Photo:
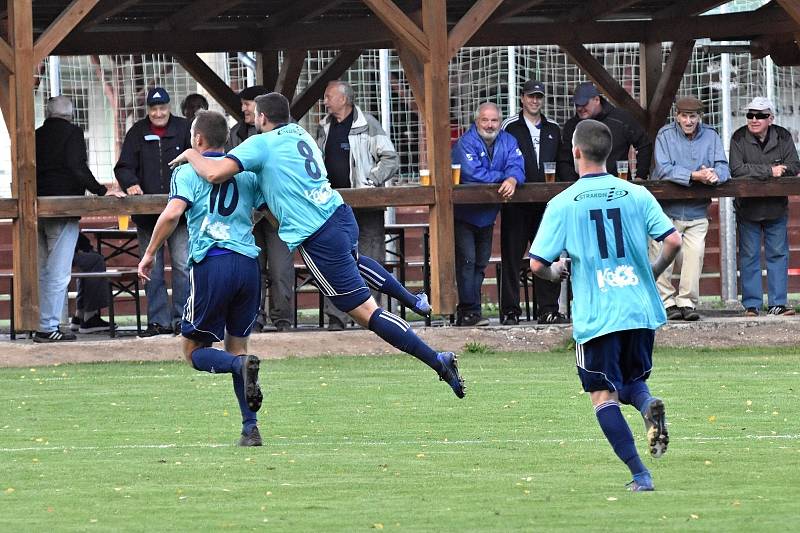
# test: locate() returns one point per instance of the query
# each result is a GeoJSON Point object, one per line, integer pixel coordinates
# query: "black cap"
{"type": "Point", "coordinates": [533, 87]}
{"type": "Point", "coordinates": [584, 92]}
{"type": "Point", "coordinates": [157, 96]}
{"type": "Point", "coordinates": [250, 93]}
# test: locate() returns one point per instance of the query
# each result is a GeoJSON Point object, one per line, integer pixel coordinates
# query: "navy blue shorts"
{"type": "Point", "coordinates": [614, 360]}
{"type": "Point", "coordinates": [225, 295]}
{"type": "Point", "coordinates": [331, 255]}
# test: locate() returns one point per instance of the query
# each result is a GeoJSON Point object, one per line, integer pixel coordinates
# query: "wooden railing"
{"type": "Point", "coordinates": [55, 206]}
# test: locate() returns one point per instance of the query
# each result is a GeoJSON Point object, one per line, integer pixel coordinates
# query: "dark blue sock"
{"type": "Point", "coordinates": [636, 394]}
{"type": "Point", "coordinates": [382, 281]}
{"type": "Point", "coordinates": [249, 419]}
{"type": "Point", "coordinates": [216, 361]}
{"type": "Point", "coordinates": [619, 435]}
{"type": "Point", "coordinates": [399, 334]}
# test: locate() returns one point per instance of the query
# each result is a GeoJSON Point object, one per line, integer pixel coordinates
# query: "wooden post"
{"type": "Point", "coordinates": [649, 71]}
{"type": "Point", "coordinates": [267, 68]}
{"type": "Point", "coordinates": [23, 182]}
{"type": "Point", "coordinates": [437, 122]}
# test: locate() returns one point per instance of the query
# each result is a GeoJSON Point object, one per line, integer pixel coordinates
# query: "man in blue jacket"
{"type": "Point", "coordinates": [487, 154]}
{"type": "Point", "coordinates": [143, 168]}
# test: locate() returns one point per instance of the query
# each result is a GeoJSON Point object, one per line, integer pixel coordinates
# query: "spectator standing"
{"type": "Point", "coordinates": [539, 141]}
{"type": "Point", "coordinates": [275, 259]}
{"type": "Point", "coordinates": [358, 154]}
{"type": "Point", "coordinates": [487, 154]}
{"type": "Point", "coordinates": [764, 151]}
{"type": "Point", "coordinates": [687, 153]}
{"type": "Point", "coordinates": [143, 168]}
{"type": "Point", "coordinates": [192, 104]}
{"type": "Point", "coordinates": [614, 315]}
{"type": "Point", "coordinates": [61, 170]}
{"type": "Point", "coordinates": [625, 132]}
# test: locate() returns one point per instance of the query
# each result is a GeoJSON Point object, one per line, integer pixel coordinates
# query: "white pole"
{"type": "Point", "coordinates": [389, 216]}
{"type": "Point", "coordinates": [727, 218]}
{"type": "Point", "coordinates": [54, 73]}
{"type": "Point", "coordinates": [769, 68]}
{"type": "Point", "coordinates": [512, 81]}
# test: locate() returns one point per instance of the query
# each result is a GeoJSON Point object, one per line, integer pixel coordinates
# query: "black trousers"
{"type": "Point", "coordinates": [518, 226]}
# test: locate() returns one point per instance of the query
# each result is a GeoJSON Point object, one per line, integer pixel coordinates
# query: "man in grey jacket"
{"type": "Point", "coordinates": [764, 151]}
{"type": "Point", "coordinates": [358, 153]}
{"type": "Point", "coordinates": [688, 153]}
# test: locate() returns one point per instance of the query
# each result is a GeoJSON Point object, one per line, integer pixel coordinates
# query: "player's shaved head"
{"type": "Point", "coordinates": [275, 107]}
{"type": "Point", "coordinates": [593, 138]}
{"type": "Point", "coordinates": [212, 126]}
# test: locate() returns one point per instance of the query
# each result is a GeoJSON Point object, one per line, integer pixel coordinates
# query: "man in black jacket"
{"type": "Point", "coordinates": [143, 168]}
{"type": "Point", "coordinates": [539, 140]}
{"type": "Point", "coordinates": [625, 132]}
{"type": "Point", "coordinates": [61, 170]}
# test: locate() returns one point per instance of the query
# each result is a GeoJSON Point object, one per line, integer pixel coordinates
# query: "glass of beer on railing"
{"type": "Point", "coordinates": [550, 172]}
{"type": "Point", "coordinates": [622, 170]}
{"type": "Point", "coordinates": [424, 177]}
{"type": "Point", "coordinates": [123, 221]}
{"type": "Point", "coordinates": [455, 170]}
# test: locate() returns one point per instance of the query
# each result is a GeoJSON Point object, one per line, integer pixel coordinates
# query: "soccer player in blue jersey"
{"type": "Point", "coordinates": [604, 224]}
{"type": "Point", "coordinates": [314, 219]}
{"type": "Point", "coordinates": [224, 273]}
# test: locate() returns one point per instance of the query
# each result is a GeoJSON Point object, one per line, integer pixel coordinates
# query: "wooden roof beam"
{"type": "Point", "coordinates": [300, 11]}
{"type": "Point", "coordinates": [595, 9]}
{"type": "Point", "coordinates": [514, 7]}
{"type": "Point", "coordinates": [6, 55]}
{"type": "Point", "coordinates": [106, 9]}
{"type": "Point", "coordinates": [605, 81]}
{"type": "Point", "coordinates": [216, 87]}
{"type": "Point", "coordinates": [406, 31]}
{"type": "Point", "coordinates": [471, 22]}
{"type": "Point", "coordinates": [195, 14]}
{"type": "Point", "coordinates": [415, 73]}
{"type": "Point", "coordinates": [290, 71]}
{"type": "Point", "coordinates": [683, 8]}
{"type": "Point", "coordinates": [74, 13]}
{"type": "Point", "coordinates": [668, 84]}
{"type": "Point", "coordinates": [316, 89]}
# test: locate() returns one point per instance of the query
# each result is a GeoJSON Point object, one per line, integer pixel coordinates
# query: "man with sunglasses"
{"type": "Point", "coordinates": [764, 151]}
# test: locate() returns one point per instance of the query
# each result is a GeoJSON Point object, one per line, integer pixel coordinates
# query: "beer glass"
{"type": "Point", "coordinates": [622, 170]}
{"type": "Point", "coordinates": [550, 172]}
{"type": "Point", "coordinates": [455, 170]}
{"type": "Point", "coordinates": [424, 177]}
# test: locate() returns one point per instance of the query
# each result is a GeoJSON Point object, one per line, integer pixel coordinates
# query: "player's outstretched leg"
{"type": "Point", "coordinates": [399, 334]}
{"type": "Point", "coordinates": [244, 370]}
{"type": "Point", "coordinates": [382, 281]}
{"type": "Point", "coordinates": [620, 437]}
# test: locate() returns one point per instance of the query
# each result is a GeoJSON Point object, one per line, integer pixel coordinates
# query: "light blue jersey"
{"type": "Point", "coordinates": [218, 215]}
{"type": "Point", "coordinates": [293, 179]}
{"type": "Point", "coordinates": [604, 224]}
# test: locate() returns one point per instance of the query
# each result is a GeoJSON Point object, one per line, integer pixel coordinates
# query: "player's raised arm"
{"type": "Point", "coordinates": [671, 247]}
{"type": "Point", "coordinates": [166, 224]}
{"type": "Point", "coordinates": [212, 170]}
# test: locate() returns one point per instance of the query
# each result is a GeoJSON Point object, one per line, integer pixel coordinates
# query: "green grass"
{"type": "Point", "coordinates": [362, 443]}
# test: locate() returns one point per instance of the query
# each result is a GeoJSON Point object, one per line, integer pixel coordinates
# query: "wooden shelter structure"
{"type": "Point", "coordinates": [425, 33]}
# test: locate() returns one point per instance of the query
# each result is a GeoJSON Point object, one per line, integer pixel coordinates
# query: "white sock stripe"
{"type": "Point", "coordinates": [396, 319]}
{"type": "Point", "coordinates": [371, 281]}
{"type": "Point", "coordinates": [605, 404]}
{"type": "Point", "coordinates": [372, 272]}
{"type": "Point", "coordinates": [323, 283]}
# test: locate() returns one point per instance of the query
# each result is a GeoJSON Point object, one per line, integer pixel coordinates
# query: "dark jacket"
{"type": "Point", "coordinates": [549, 145]}
{"type": "Point", "coordinates": [625, 132]}
{"type": "Point", "coordinates": [239, 133]}
{"type": "Point", "coordinates": [477, 166]}
{"type": "Point", "coordinates": [144, 159]}
{"type": "Point", "coordinates": [61, 168]}
{"type": "Point", "coordinates": [747, 158]}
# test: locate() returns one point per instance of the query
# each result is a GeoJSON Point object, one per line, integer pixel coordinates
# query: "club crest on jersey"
{"type": "Point", "coordinates": [608, 194]}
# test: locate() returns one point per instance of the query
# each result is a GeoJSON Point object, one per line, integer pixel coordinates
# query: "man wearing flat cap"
{"type": "Point", "coordinates": [625, 133]}
{"type": "Point", "coordinates": [762, 150]}
{"type": "Point", "coordinates": [143, 168]}
{"type": "Point", "coordinates": [690, 154]}
{"type": "Point", "coordinates": [539, 141]}
{"type": "Point", "coordinates": [275, 259]}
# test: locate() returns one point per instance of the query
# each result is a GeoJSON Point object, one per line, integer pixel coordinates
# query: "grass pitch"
{"type": "Point", "coordinates": [364, 443]}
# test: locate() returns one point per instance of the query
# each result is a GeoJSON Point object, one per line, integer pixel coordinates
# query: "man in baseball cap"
{"type": "Point", "coordinates": [539, 140]}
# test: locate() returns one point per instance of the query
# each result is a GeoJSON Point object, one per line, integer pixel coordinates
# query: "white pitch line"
{"type": "Point", "coordinates": [286, 443]}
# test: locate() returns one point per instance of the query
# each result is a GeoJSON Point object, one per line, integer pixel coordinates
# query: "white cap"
{"type": "Point", "coordinates": [760, 103]}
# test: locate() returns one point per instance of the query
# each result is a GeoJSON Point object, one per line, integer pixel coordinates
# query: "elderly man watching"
{"type": "Point", "coordinates": [765, 151]}
{"type": "Point", "coordinates": [61, 170]}
{"type": "Point", "coordinates": [688, 153]}
{"type": "Point", "coordinates": [358, 154]}
{"type": "Point", "coordinates": [143, 168]}
{"type": "Point", "coordinates": [487, 154]}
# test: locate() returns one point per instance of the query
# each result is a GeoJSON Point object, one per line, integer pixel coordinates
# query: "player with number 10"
{"type": "Point", "coordinates": [313, 218]}
{"type": "Point", "coordinates": [604, 224]}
